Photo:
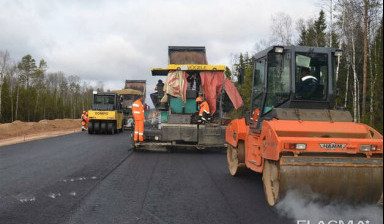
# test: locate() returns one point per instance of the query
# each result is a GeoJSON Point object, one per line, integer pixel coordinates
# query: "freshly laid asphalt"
{"type": "Point", "coordinates": [81, 178]}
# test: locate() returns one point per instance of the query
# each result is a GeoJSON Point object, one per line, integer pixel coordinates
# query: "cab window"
{"type": "Point", "coordinates": [278, 80]}
{"type": "Point", "coordinates": [311, 76]}
{"type": "Point", "coordinates": [258, 84]}
{"type": "Point", "coordinates": [104, 99]}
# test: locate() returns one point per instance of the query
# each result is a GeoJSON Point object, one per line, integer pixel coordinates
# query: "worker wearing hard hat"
{"type": "Point", "coordinates": [84, 121]}
{"type": "Point", "coordinates": [204, 111]}
{"type": "Point", "coordinates": [138, 115]}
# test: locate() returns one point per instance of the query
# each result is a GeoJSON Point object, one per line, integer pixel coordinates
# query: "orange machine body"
{"type": "Point", "coordinates": [297, 138]}
{"type": "Point", "coordinates": [326, 138]}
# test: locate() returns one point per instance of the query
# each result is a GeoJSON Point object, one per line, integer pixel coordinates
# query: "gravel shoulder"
{"type": "Point", "coordinates": [18, 131]}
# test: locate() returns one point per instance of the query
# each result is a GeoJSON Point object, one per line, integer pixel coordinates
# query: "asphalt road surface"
{"type": "Point", "coordinates": [81, 178]}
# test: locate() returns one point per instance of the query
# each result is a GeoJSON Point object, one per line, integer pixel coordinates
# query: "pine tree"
{"type": "Point", "coordinates": [313, 33]}
{"type": "Point", "coordinates": [320, 26]}
{"type": "Point", "coordinates": [6, 102]}
{"type": "Point", "coordinates": [27, 67]}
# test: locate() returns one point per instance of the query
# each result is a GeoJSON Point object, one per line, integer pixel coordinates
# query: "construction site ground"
{"type": "Point", "coordinates": [82, 178]}
{"type": "Point", "coordinates": [18, 131]}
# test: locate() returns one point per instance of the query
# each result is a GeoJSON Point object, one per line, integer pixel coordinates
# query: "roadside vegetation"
{"type": "Point", "coordinates": [356, 27]}
{"type": "Point", "coordinates": [29, 93]}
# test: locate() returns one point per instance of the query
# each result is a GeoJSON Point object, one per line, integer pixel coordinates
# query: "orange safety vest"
{"type": "Point", "coordinates": [138, 110]}
{"type": "Point", "coordinates": [204, 107]}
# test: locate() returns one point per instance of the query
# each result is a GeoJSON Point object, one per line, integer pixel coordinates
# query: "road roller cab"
{"type": "Point", "coordinates": [295, 137]}
{"type": "Point", "coordinates": [106, 116]}
{"type": "Point", "coordinates": [131, 90]}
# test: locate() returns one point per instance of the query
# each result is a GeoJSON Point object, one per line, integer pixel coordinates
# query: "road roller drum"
{"type": "Point", "coordinates": [347, 180]}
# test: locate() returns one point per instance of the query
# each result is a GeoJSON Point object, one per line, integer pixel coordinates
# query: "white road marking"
{"type": "Point", "coordinates": [54, 195]}
{"type": "Point", "coordinates": [75, 179]}
{"type": "Point", "coordinates": [27, 199]}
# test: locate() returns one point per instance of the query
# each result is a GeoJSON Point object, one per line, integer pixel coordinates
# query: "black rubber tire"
{"type": "Point", "coordinates": [97, 127]}
{"type": "Point", "coordinates": [113, 129]}
{"type": "Point", "coordinates": [103, 127]}
{"type": "Point", "coordinates": [91, 128]}
{"type": "Point", "coordinates": [109, 128]}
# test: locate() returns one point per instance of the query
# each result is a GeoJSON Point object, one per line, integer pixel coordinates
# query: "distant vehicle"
{"type": "Point", "coordinates": [131, 89]}
{"type": "Point", "coordinates": [106, 115]}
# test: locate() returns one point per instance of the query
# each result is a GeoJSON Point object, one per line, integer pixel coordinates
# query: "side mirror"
{"type": "Point", "coordinates": [241, 76]}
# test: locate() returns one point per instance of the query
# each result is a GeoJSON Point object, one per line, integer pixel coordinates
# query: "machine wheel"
{"type": "Point", "coordinates": [113, 128]}
{"type": "Point", "coordinates": [90, 128]}
{"type": "Point", "coordinates": [103, 127]}
{"type": "Point", "coordinates": [271, 182]}
{"type": "Point", "coordinates": [97, 127]}
{"type": "Point", "coordinates": [109, 128]}
{"type": "Point", "coordinates": [236, 159]}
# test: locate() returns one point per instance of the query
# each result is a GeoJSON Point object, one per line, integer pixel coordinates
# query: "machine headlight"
{"type": "Point", "coordinates": [338, 53]}
{"type": "Point", "coordinates": [299, 146]}
{"type": "Point", "coordinates": [279, 49]}
{"type": "Point", "coordinates": [368, 148]}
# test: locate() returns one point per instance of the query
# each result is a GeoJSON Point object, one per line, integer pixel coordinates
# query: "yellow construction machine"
{"type": "Point", "coordinates": [132, 89]}
{"type": "Point", "coordinates": [106, 116]}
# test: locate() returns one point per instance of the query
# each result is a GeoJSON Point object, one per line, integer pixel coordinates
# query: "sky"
{"type": "Point", "coordinates": [115, 40]}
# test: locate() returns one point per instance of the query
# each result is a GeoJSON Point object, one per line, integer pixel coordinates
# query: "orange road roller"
{"type": "Point", "coordinates": [295, 136]}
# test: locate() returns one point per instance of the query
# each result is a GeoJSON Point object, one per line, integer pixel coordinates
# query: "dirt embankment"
{"type": "Point", "coordinates": [18, 131]}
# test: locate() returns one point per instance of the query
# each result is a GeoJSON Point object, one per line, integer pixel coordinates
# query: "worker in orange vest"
{"type": "Point", "coordinates": [138, 115]}
{"type": "Point", "coordinates": [204, 111]}
{"type": "Point", "coordinates": [84, 121]}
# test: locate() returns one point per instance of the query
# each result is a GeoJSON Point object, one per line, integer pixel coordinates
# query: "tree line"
{"type": "Point", "coordinates": [354, 26]}
{"type": "Point", "coordinates": [29, 93]}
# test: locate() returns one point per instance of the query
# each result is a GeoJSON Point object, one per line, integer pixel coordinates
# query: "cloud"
{"type": "Point", "coordinates": [111, 40]}
{"type": "Point", "coordinates": [112, 57]}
